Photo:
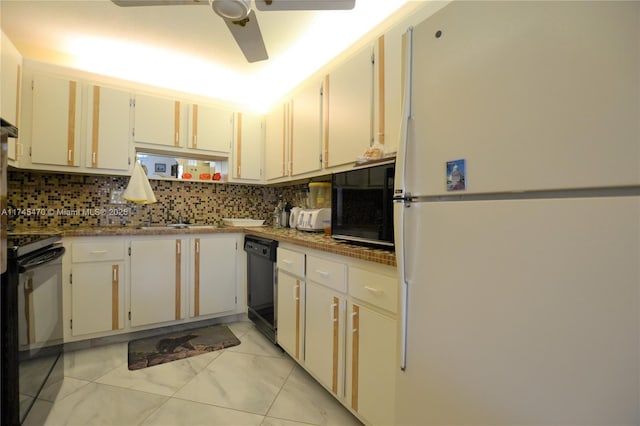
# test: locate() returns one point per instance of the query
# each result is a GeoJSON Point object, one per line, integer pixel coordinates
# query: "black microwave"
{"type": "Point", "coordinates": [362, 205]}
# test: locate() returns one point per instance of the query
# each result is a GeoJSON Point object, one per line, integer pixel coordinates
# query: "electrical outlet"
{"type": "Point", "coordinates": [116, 197]}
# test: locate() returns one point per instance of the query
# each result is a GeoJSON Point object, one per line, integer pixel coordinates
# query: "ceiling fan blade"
{"type": "Point", "coordinates": [266, 5]}
{"type": "Point", "coordinates": [126, 3]}
{"type": "Point", "coordinates": [249, 38]}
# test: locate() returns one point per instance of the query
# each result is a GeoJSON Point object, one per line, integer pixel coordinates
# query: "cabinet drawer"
{"type": "Point", "coordinates": [376, 289]}
{"type": "Point", "coordinates": [326, 272]}
{"type": "Point", "coordinates": [97, 251]}
{"type": "Point", "coordinates": [291, 261]}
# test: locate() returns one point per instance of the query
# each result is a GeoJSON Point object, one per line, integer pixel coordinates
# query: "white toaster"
{"type": "Point", "coordinates": [314, 220]}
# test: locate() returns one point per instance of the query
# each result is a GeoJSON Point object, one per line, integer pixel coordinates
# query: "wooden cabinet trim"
{"type": "Point", "coordinates": [325, 121]}
{"type": "Point", "coordinates": [284, 139]}
{"type": "Point", "coordinates": [71, 127]}
{"type": "Point", "coordinates": [95, 128]}
{"type": "Point", "coordinates": [176, 140]}
{"type": "Point", "coordinates": [238, 152]}
{"type": "Point", "coordinates": [194, 127]}
{"type": "Point", "coordinates": [381, 88]}
{"type": "Point", "coordinates": [355, 355]}
{"type": "Point", "coordinates": [297, 319]}
{"type": "Point", "coordinates": [115, 297]}
{"type": "Point", "coordinates": [336, 332]}
{"type": "Point", "coordinates": [196, 279]}
{"type": "Point", "coordinates": [178, 276]}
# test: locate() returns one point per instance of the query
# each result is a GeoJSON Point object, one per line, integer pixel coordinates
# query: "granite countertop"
{"type": "Point", "coordinates": [313, 240]}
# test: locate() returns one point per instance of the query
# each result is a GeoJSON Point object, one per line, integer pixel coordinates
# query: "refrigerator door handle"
{"type": "Point", "coordinates": [401, 162]}
{"type": "Point", "coordinates": [400, 206]}
{"type": "Point", "coordinates": [402, 199]}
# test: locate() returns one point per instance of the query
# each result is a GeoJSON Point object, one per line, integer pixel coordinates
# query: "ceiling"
{"type": "Point", "coordinates": [187, 48]}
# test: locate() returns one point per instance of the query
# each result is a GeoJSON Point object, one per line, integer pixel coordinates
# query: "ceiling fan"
{"type": "Point", "coordinates": [241, 19]}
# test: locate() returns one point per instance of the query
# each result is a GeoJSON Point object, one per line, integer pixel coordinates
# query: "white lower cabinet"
{"type": "Point", "coordinates": [118, 284]}
{"type": "Point", "coordinates": [372, 355]}
{"type": "Point", "coordinates": [213, 275]}
{"type": "Point", "coordinates": [290, 301]}
{"type": "Point", "coordinates": [157, 280]}
{"type": "Point", "coordinates": [290, 314]}
{"type": "Point", "coordinates": [337, 317]}
{"type": "Point", "coordinates": [97, 282]}
{"type": "Point", "coordinates": [324, 336]}
{"type": "Point", "coordinates": [373, 364]}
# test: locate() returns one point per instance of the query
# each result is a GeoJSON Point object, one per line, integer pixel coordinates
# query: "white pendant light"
{"type": "Point", "coordinates": [139, 189]}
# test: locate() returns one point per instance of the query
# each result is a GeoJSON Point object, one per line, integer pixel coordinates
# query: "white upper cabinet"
{"type": "Point", "coordinates": [11, 80]}
{"type": "Point", "coordinates": [108, 128]}
{"type": "Point", "coordinates": [275, 143]}
{"type": "Point", "coordinates": [55, 124]}
{"type": "Point", "coordinates": [348, 101]}
{"type": "Point", "coordinates": [389, 68]}
{"type": "Point", "coordinates": [306, 129]}
{"type": "Point", "coordinates": [158, 121]}
{"type": "Point", "coordinates": [249, 138]}
{"type": "Point", "coordinates": [210, 129]}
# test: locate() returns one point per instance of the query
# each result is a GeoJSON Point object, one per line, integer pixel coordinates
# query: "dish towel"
{"type": "Point", "coordinates": [139, 189]}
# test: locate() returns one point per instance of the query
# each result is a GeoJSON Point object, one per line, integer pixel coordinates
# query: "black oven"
{"type": "Point", "coordinates": [362, 205]}
{"type": "Point", "coordinates": [32, 331]}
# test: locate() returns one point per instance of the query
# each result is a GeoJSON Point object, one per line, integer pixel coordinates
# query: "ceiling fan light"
{"type": "Point", "coordinates": [234, 10]}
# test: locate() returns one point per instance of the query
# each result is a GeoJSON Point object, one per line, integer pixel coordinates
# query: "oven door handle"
{"type": "Point", "coordinates": [39, 259]}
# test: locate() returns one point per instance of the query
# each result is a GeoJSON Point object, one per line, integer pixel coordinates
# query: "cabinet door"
{"type": "Point", "coordinates": [55, 121]}
{"type": "Point", "coordinates": [156, 281]}
{"type": "Point", "coordinates": [275, 143]}
{"type": "Point", "coordinates": [157, 121]}
{"type": "Point", "coordinates": [324, 353]}
{"type": "Point", "coordinates": [11, 80]}
{"type": "Point", "coordinates": [109, 128]}
{"type": "Point", "coordinates": [214, 275]}
{"type": "Point", "coordinates": [306, 130]}
{"type": "Point", "coordinates": [248, 148]}
{"type": "Point", "coordinates": [349, 88]}
{"type": "Point", "coordinates": [210, 128]}
{"type": "Point", "coordinates": [374, 365]}
{"type": "Point", "coordinates": [290, 295]}
{"type": "Point", "coordinates": [97, 297]}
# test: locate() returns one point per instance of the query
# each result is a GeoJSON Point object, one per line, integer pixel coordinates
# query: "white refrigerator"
{"type": "Point", "coordinates": [518, 215]}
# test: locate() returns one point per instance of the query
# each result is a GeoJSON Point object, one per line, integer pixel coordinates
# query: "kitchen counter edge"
{"type": "Point", "coordinates": [317, 241]}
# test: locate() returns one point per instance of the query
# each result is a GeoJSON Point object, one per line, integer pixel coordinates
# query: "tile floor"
{"type": "Point", "coordinates": [254, 383]}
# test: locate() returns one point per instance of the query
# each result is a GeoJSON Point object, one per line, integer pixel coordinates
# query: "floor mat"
{"type": "Point", "coordinates": [169, 347]}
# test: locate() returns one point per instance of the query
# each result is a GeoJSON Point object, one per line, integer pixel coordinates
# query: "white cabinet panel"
{"type": "Point", "coordinates": [350, 91]}
{"type": "Point", "coordinates": [214, 275]}
{"type": "Point", "coordinates": [157, 121]}
{"type": "Point", "coordinates": [249, 139]}
{"type": "Point", "coordinates": [306, 129]}
{"type": "Point", "coordinates": [210, 129]}
{"type": "Point", "coordinates": [276, 149]}
{"type": "Point", "coordinates": [109, 128]}
{"type": "Point", "coordinates": [374, 365]}
{"type": "Point", "coordinates": [324, 334]}
{"type": "Point", "coordinates": [97, 297]}
{"type": "Point", "coordinates": [156, 281]}
{"type": "Point", "coordinates": [55, 121]}
{"type": "Point", "coordinates": [290, 305]}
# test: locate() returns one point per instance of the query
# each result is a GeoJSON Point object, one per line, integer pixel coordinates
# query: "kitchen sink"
{"type": "Point", "coordinates": [176, 226]}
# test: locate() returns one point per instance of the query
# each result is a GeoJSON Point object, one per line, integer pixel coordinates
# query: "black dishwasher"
{"type": "Point", "coordinates": [261, 284]}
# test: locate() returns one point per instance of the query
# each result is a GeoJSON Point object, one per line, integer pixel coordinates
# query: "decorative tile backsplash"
{"type": "Point", "coordinates": [69, 200]}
